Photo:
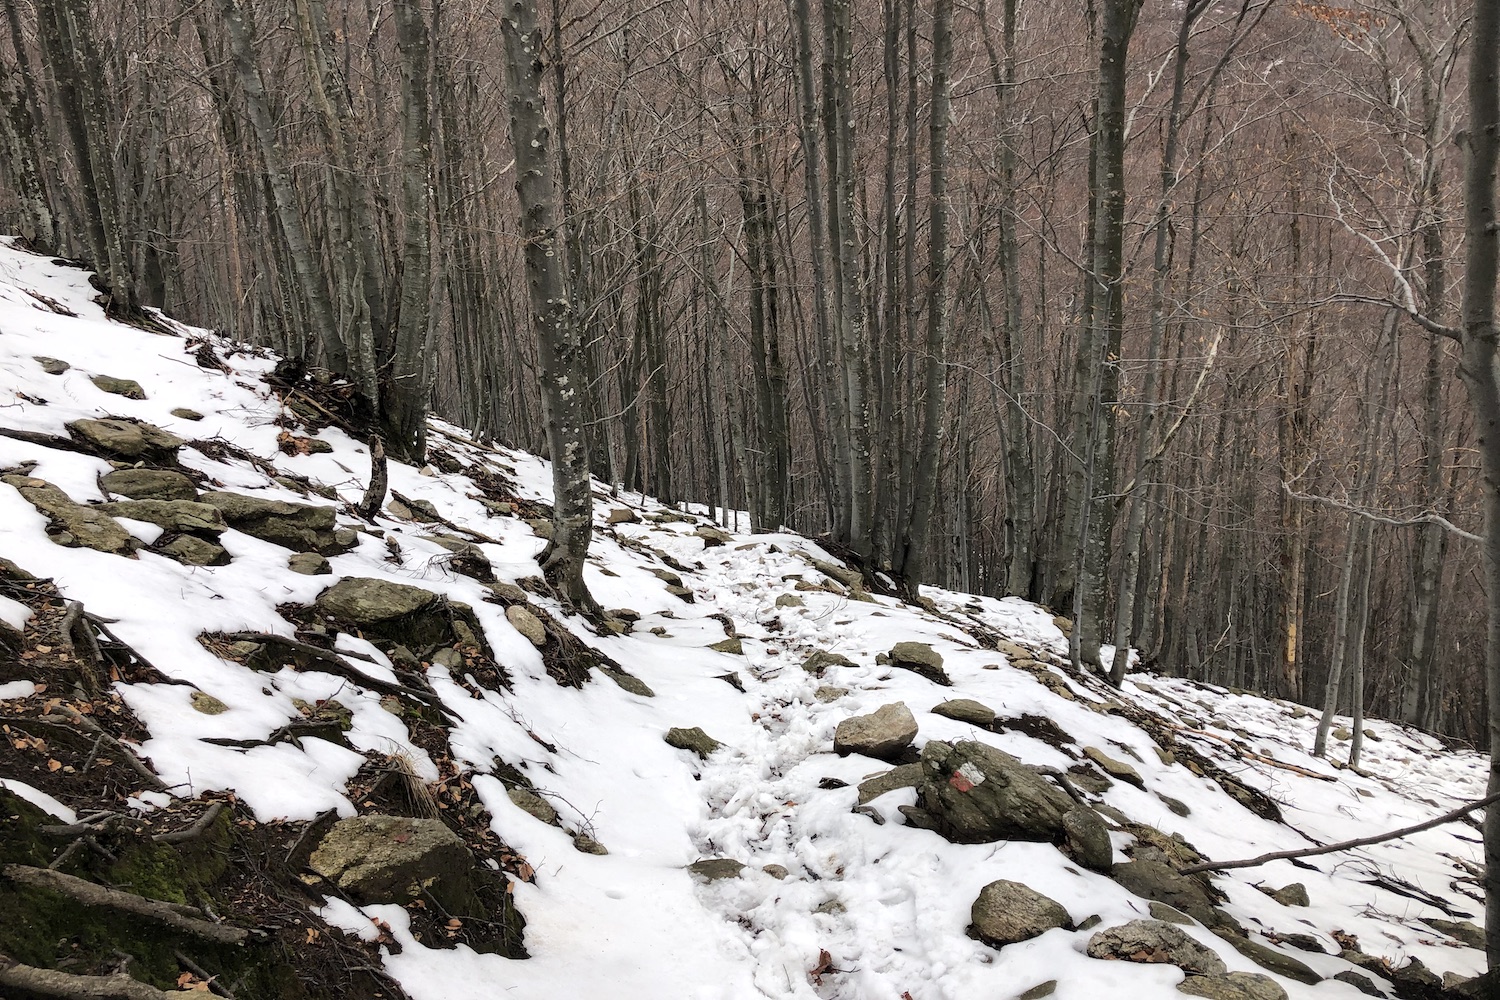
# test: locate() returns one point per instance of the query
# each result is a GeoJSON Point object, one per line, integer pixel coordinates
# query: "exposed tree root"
{"type": "Point", "coordinates": [187, 919]}
{"type": "Point", "coordinates": [49, 983]}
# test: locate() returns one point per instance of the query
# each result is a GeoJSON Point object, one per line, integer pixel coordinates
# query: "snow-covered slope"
{"type": "Point", "coordinates": [868, 906]}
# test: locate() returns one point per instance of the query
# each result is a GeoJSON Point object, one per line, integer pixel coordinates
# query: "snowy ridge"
{"type": "Point", "coordinates": [870, 908]}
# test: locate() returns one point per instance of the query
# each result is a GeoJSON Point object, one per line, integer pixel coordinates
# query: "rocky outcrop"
{"type": "Point", "coordinates": [920, 658]}
{"type": "Point", "coordinates": [299, 527]}
{"type": "Point", "coordinates": [882, 734]}
{"type": "Point", "coordinates": [1008, 912]}
{"type": "Point", "coordinates": [183, 516]}
{"type": "Point", "coordinates": [73, 524]}
{"type": "Point", "coordinates": [133, 440]}
{"type": "Point", "coordinates": [1155, 942]}
{"type": "Point", "coordinates": [972, 793]}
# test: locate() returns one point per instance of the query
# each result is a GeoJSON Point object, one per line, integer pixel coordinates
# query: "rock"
{"type": "Point", "coordinates": [585, 844]}
{"type": "Point", "coordinates": [133, 440]}
{"type": "Point", "coordinates": [1359, 981]}
{"type": "Point", "coordinates": [1040, 990]}
{"type": "Point", "coordinates": [972, 793]}
{"type": "Point", "coordinates": [190, 550]}
{"type": "Point", "coordinates": [1114, 768]}
{"type": "Point", "coordinates": [468, 558]}
{"type": "Point", "coordinates": [920, 658]}
{"type": "Point", "coordinates": [1008, 912]}
{"type": "Point", "coordinates": [851, 578]}
{"type": "Point", "coordinates": [149, 484]}
{"type": "Point", "coordinates": [127, 387]}
{"type": "Point", "coordinates": [1466, 931]}
{"type": "Point", "coordinates": [1154, 880]}
{"type": "Point", "coordinates": [73, 524]}
{"type": "Point", "coordinates": [184, 516]}
{"type": "Point", "coordinates": [528, 624]}
{"type": "Point", "coordinates": [1296, 895]}
{"type": "Point", "coordinates": [1275, 961]}
{"type": "Point", "coordinates": [367, 601]}
{"type": "Point", "coordinates": [1088, 838]}
{"type": "Point", "coordinates": [309, 564]}
{"type": "Point", "coordinates": [1342, 734]}
{"type": "Point", "coordinates": [712, 536]}
{"type": "Point", "coordinates": [299, 527]}
{"type": "Point", "coordinates": [882, 734]}
{"type": "Point", "coordinates": [1170, 914]}
{"type": "Point", "coordinates": [1012, 651]}
{"type": "Point", "coordinates": [1177, 806]}
{"type": "Point", "coordinates": [778, 872]}
{"type": "Point", "coordinates": [714, 869]}
{"type": "Point", "coordinates": [627, 681]}
{"type": "Point", "coordinates": [183, 413]}
{"type": "Point", "coordinates": [622, 515]}
{"type": "Point", "coordinates": [966, 710]}
{"type": "Point", "coordinates": [827, 693]}
{"type": "Point", "coordinates": [790, 601]}
{"type": "Point", "coordinates": [52, 366]}
{"type": "Point", "coordinates": [207, 703]}
{"type": "Point", "coordinates": [508, 591]}
{"type": "Point", "coordinates": [694, 739]}
{"type": "Point", "coordinates": [532, 803]}
{"type": "Point", "coordinates": [820, 660]}
{"type": "Point", "coordinates": [1416, 976]}
{"type": "Point", "coordinates": [733, 645]}
{"type": "Point", "coordinates": [1155, 941]}
{"type": "Point", "coordinates": [1233, 986]}
{"type": "Point", "coordinates": [903, 776]}
{"type": "Point", "coordinates": [395, 859]}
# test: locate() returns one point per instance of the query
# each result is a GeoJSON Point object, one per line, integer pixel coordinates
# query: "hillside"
{"type": "Point", "coordinates": [280, 665]}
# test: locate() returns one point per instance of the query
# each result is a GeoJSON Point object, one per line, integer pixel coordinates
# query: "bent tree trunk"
{"type": "Point", "coordinates": [559, 347]}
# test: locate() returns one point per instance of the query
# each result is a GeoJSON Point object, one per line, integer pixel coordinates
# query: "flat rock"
{"type": "Point", "coordinates": [129, 439]}
{"type": "Point", "coordinates": [1359, 981]}
{"type": "Point", "coordinates": [922, 659]}
{"type": "Point", "coordinates": [732, 645]}
{"type": "Point", "coordinates": [1466, 931]}
{"type": "Point", "coordinates": [52, 366]}
{"type": "Point", "coordinates": [1170, 914]}
{"type": "Point", "coordinates": [820, 660]}
{"type": "Point", "coordinates": [585, 844]}
{"type": "Point", "coordinates": [1155, 942]}
{"type": "Point", "coordinates": [902, 776]}
{"type": "Point", "coordinates": [1273, 960]}
{"type": "Point", "coordinates": [174, 515]}
{"type": "Point", "coordinates": [1153, 880]}
{"type": "Point", "coordinates": [1114, 768]}
{"type": "Point", "coordinates": [966, 710]}
{"type": "Point", "coordinates": [528, 624]}
{"type": "Point", "coordinates": [622, 515]}
{"type": "Point", "coordinates": [1008, 912]}
{"type": "Point", "coordinates": [882, 734]}
{"type": "Point", "coordinates": [73, 524]}
{"type": "Point", "coordinates": [190, 550]}
{"type": "Point", "coordinates": [628, 682]}
{"type": "Point", "coordinates": [694, 739]}
{"type": "Point", "coordinates": [149, 484]}
{"type": "Point", "coordinates": [127, 387]}
{"type": "Point", "coordinates": [712, 536]}
{"type": "Point", "coordinates": [714, 869]}
{"type": "Point", "coordinates": [183, 413]}
{"type": "Point", "coordinates": [532, 803]}
{"type": "Point", "coordinates": [790, 601]}
{"type": "Point", "coordinates": [828, 692]}
{"type": "Point", "coordinates": [1233, 986]}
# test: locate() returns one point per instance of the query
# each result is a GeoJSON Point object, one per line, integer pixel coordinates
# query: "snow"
{"type": "Point", "coordinates": [887, 902]}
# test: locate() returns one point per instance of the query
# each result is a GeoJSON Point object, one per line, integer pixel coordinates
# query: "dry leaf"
{"type": "Point", "coordinates": [54, 765]}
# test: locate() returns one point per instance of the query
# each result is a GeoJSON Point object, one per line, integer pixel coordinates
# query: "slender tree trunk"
{"type": "Point", "coordinates": [558, 343]}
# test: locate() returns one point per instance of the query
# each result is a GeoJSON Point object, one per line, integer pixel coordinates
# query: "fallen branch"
{"type": "Point", "coordinates": [1343, 845]}
{"type": "Point", "coordinates": [66, 986]}
{"type": "Point", "coordinates": [186, 919]}
{"type": "Point", "coordinates": [134, 762]}
{"type": "Point", "coordinates": [1252, 755]}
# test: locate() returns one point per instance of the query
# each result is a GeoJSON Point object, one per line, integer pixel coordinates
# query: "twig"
{"type": "Point", "coordinates": [135, 763]}
{"type": "Point", "coordinates": [201, 973]}
{"type": "Point", "coordinates": [1343, 845]}
{"type": "Point", "coordinates": [94, 894]}
{"type": "Point", "coordinates": [193, 832]}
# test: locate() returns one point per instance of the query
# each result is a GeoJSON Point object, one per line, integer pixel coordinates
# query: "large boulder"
{"type": "Point", "coordinates": [363, 601]}
{"type": "Point", "coordinates": [73, 524]}
{"type": "Point", "coordinates": [396, 859]}
{"type": "Point", "coordinates": [299, 527]}
{"type": "Point", "coordinates": [134, 440]}
{"type": "Point", "coordinates": [1008, 912]}
{"type": "Point", "coordinates": [1155, 941]}
{"type": "Point", "coordinates": [149, 484]}
{"type": "Point", "coordinates": [972, 793]}
{"type": "Point", "coordinates": [882, 734]}
{"type": "Point", "coordinates": [922, 659]}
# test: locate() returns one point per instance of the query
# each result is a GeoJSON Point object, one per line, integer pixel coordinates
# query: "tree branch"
{"type": "Point", "coordinates": [1425, 518]}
